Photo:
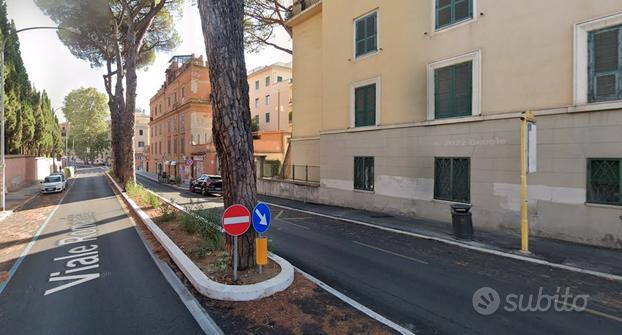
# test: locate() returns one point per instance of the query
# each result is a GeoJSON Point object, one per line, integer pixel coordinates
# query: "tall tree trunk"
{"type": "Point", "coordinates": [221, 21]}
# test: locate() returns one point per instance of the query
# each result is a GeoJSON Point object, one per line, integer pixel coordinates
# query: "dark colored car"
{"type": "Point", "coordinates": [207, 184]}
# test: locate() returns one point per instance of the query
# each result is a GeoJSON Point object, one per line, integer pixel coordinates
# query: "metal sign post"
{"type": "Point", "coordinates": [235, 258]}
{"type": "Point", "coordinates": [527, 165]}
{"type": "Point", "coordinates": [261, 223]}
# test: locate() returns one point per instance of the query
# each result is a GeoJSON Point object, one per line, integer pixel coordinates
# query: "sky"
{"type": "Point", "coordinates": [53, 68]}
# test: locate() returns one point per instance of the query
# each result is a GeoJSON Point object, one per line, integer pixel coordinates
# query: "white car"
{"type": "Point", "coordinates": [54, 183]}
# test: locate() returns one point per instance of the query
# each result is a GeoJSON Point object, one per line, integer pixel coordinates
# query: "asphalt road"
{"type": "Point", "coordinates": [428, 286]}
{"type": "Point", "coordinates": [89, 273]}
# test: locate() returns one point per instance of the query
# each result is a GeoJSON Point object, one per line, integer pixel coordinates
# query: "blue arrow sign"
{"type": "Point", "coordinates": [261, 218]}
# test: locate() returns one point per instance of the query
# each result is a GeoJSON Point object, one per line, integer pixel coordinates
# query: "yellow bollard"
{"type": "Point", "coordinates": [261, 250]}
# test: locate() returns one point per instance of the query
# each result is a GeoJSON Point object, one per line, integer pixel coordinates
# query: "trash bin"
{"type": "Point", "coordinates": [461, 221]}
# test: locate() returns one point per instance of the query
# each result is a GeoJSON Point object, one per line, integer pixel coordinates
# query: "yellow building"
{"type": "Point", "coordinates": [410, 106]}
{"type": "Point", "coordinates": [269, 96]}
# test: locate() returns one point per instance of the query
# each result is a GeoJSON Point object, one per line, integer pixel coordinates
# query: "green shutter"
{"type": "Point", "coordinates": [365, 106]}
{"type": "Point", "coordinates": [605, 64]}
{"type": "Point", "coordinates": [366, 40]}
{"type": "Point", "coordinates": [449, 12]}
{"type": "Point", "coordinates": [453, 91]}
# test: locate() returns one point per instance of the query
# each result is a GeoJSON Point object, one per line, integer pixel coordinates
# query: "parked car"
{"type": "Point", "coordinates": [207, 184]}
{"type": "Point", "coordinates": [53, 183]}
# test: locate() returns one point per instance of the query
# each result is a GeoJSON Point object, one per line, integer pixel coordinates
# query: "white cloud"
{"type": "Point", "coordinates": [53, 68]}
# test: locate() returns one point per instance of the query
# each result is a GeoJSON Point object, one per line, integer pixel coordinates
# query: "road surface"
{"type": "Point", "coordinates": [429, 286]}
{"type": "Point", "coordinates": [89, 273]}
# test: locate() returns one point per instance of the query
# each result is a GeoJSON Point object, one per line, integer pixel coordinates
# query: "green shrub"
{"type": "Point", "coordinates": [167, 213]}
{"type": "Point", "coordinates": [189, 223]}
{"type": "Point", "coordinates": [177, 180]}
{"type": "Point", "coordinates": [152, 200]}
{"type": "Point", "coordinates": [272, 167]}
{"type": "Point", "coordinates": [67, 172]}
{"type": "Point", "coordinates": [220, 264]}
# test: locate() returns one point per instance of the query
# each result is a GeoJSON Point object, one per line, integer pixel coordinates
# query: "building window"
{"type": "Point", "coordinates": [256, 84]}
{"type": "Point", "coordinates": [267, 99]}
{"type": "Point", "coordinates": [604, 181]}
{"type": "Point", "coordinates": [366, 34]}
{"type": "Point", "coordinates": [279, 79]}
{"type": "Point", "coordinates": [453, 91]}
{"type": "Point", "coordinates": [182, 143]}
{"type": "Point", "coordinates": [452, 179]}
{"type": "Point", "coordinates": [141, 144]}
{"type": "Point", "coordinates": [454, 87]}
{"type": "Point", "coordinates": [365, 105]}
{"type": "Point", "coordinates": [267, 117]}
{"type": "Point", "coordinates": [257, 119]}
{"type": "Point", "coordinates": [182, 121]}
{"type": "Point", "coordinates": [267, 81]}
{"type": "Point", "coordinates": [256, 102]}
{"type": "Point", "coordinates": [605, 64]}
{"type": "Point", "coordinates": [183, 92]}
{"type": "Point", "coordinates": [168, 144]}
{"type": "Point", "coordinates": [364, 173]}
{"type": "Point", "coordinates": [175, 97]}
{"type": "Point", "coordinates": [140, 132]}
{"type": "Point", "coordinates": [449, 12]}
{"type": "Point", "coordinates": [169, 100]}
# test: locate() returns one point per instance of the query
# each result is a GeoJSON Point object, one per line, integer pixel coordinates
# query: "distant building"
{"type": "Point", "coordinates": [180, 126]}
{"type": "Point", "coordinates": [270, 95]}
{"type": "Point", "coordinates": [141, 140]}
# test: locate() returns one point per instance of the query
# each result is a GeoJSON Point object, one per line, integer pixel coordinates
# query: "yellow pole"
{"type": "Point", "coordinates": [524, 224]}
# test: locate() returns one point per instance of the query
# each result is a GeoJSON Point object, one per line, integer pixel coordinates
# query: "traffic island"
{"type": "Point", "coordinates": [196, 246]}
{"type": "Point", "coordinates": [302, 307]}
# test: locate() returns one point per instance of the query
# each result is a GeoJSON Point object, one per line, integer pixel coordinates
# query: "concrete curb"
{"type": "Point", "coordinates": [604, 275]}
{"type": "Point", "coordinates": [200, 281]}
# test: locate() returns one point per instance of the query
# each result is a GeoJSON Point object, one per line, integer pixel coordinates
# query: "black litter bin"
{"type": "Point", "coordinates": [461, 221]}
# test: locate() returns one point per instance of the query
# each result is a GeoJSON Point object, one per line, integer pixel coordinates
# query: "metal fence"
{"type": "Point", "coordinates": [303, 173]}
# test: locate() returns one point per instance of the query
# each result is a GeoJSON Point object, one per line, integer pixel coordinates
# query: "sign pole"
{"type": "Point", "coordinates": [524, 220]}
{"type": "Point", "coordinates": [235, 258]}
{"type": "Point", "coordinates": [260, 266]}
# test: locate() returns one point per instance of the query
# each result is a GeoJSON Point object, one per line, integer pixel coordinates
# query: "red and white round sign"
{"type": "Point", "coordinates": [236, 219]}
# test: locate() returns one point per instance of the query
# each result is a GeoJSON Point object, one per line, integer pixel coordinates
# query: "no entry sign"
{"type": "Point", "coordinates": [236, 219]}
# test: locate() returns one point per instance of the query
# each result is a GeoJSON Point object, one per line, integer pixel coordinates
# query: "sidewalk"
{"type": "Point", "coordinates": [153, 176]}
{"type": "Point", "coordinates": [18, 198]}
{"type": "Point", "coordinates": [554, 251]}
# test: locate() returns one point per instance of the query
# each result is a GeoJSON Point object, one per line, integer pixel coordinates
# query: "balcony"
{"type": "Point", "coordinates": [300, 6]}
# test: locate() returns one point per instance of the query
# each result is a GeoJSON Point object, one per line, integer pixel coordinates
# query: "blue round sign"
{"type": "Point", "coordinates": [261, 218]}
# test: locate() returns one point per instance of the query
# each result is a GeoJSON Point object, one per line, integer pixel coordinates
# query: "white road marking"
{"type": "Point", "coordinates": [390, 252]}
{"type": "Point", "coordinates": [279, 215]}
{"type": "Point", "coordinates": [591, 311]}
{"type": "Point", "coordinates": [297, 225]}
{"type": "Point", "coordinates": [356, 304]}
{"type": "Point", "coordinates": [236, 220]}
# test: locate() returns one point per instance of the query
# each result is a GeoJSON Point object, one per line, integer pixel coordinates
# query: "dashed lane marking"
{"type": "Point", "coordinates": [390, 252]}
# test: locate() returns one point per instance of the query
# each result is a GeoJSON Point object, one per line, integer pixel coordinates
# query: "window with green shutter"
{"type": "Point", "coordinates": [366, 34]}
{"type": "Point", "coordinates": [449, 12]}
{"type": "Point", "coordinates": [452, 179]}
{"type": "Point", "coordinates": [256, 84]}
{"type": "Point", "coordinates": [365, 106]}
{"type": "Point", "coordinates": [453, 90]}
{"type": "Point", "coordinates": [605, 64]}
{"type": "Point", "coordinates": [364, 173]}
{"type": "Point", "coordinates": [604, 181]}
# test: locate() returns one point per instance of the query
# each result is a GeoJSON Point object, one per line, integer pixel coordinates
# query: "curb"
{"type": "Point", "coordinates": [200, 281]}
{"type": "Point", "coordinates": [604, 275]}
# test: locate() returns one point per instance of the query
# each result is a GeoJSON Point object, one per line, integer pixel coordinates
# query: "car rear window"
{"type": "Point", "coordinates": [52, 179]}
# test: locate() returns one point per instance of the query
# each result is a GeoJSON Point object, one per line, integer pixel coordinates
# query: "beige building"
{"type": "Point", "coordinates": [410, 106]}
{"type": "Point", "coordinates": [141, 140]}
{"type": "Point", "coordinates": [270, 96]}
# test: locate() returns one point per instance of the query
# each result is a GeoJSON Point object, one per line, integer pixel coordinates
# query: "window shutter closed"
{"type": "Point", "coordinates": [605, 64]}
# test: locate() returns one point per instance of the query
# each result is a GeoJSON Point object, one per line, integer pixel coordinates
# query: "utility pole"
{"type": "Point", "coordinates": [2, 141]}
{"type": "Point", "coordinates": [527, 165]}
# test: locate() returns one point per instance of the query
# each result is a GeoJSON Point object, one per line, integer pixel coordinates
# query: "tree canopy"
{"type": "Point", "coordinates": [87, 112]}
{"type": "Point", "coordinates": [30, 124]}
{"type": "Point", "coordinates": [261, 19]}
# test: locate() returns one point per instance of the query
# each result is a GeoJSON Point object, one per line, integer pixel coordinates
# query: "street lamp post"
{"type": "Point", "coordinates": [2, 142]}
